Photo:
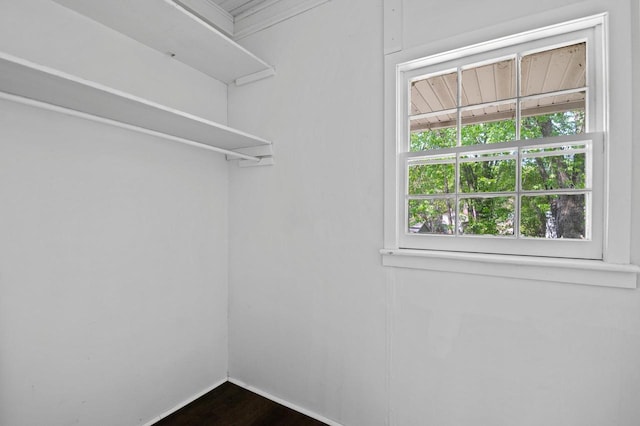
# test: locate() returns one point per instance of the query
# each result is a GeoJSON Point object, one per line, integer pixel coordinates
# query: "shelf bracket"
{"type": "Point", "coordinates": [269, 72]}
{"type": "Point", "coordinates": [261, 156]}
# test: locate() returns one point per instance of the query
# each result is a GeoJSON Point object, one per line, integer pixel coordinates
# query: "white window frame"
{"type": "Point", "coordinates": [598, 264]}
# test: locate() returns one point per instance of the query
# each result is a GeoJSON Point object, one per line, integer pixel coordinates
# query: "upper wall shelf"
{"type": "Point", "coordinates": [31, 83]}
{"type": "Point", "coordinates": [169, 28]}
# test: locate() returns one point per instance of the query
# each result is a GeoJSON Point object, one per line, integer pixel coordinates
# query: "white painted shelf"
{"type": "Point", "coordinates": [169, 28]}
{"type": "Point", "coordinates": [31, 83]}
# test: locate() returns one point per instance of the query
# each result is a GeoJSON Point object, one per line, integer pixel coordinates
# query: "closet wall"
{"type": "Point", "coordinates": [316, 320]}
{"type": "Point", "coordinates": [113, 247]}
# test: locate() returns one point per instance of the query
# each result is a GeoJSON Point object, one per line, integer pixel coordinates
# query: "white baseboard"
{"type": "Point", "coordinates": [283, 402]}
{"type": "Point", "coordinates": [184, 403]}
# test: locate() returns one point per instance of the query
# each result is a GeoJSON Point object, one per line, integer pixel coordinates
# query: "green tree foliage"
{"type": "Point", "coordinates": [431, 139]}
{"type": "Point", "coordinates": [544, 216]}
{"type": "Point", "coordinates": [487, 216]}
{"type": "Point", "coordinates": [485, 133]}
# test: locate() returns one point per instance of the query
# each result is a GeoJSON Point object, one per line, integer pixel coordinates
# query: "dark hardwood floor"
{"type": "Point", "coordinates": [231, 405]}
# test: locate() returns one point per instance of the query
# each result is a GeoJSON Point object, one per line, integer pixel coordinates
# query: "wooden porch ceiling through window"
{"type": "Point", "coordinates": [492, 87]}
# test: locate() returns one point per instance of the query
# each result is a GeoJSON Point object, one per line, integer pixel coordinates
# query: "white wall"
{"type": "Point", "coordinates": [311, 309]}
{"type": "Point", "coordinates": [307, 292]}
{"type": "Point", "coordinates": [635, 196]}
{"type": "Point", "coordinates": [113, 248]}
{"type": "Point", "coordinates": [508, 352]}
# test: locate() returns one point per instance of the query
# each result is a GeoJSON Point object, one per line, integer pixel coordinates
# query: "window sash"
{"type": "Point", "coordinates": [403, 67]}
{"type": "Point", "coordinates": [550, 142]}
{"type": "Point", "coordinates": [590, 248]}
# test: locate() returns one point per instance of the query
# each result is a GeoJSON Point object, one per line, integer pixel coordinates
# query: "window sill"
{"type": "Point", "coordinates": [572, 271]}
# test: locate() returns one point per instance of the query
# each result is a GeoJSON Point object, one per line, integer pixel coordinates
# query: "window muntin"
{"type": "Point", "coordinates": [479, 96]}
{"type": "Point", "coordinates": [509, 179]}
{"type": "Point", "coordinates": [505, 200]}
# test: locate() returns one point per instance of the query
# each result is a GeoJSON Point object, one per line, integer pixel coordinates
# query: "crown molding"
{"type": "Point", "coordinates": [269, 13]}
{"type": "Point", "coordinates": [210, 12]}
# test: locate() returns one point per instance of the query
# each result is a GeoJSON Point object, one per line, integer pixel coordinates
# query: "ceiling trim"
{"type": "Point", "coordinates": [252, 7]}
{"type": "Point", "coordinates": [237, 7]}
{"type": "Point", "coordinates": [211, 13]}
{"type": "Point", "coordinates": [270, 13]}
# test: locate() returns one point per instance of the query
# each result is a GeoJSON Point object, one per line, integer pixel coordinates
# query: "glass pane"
{"type": "Point", "coordinates": [427, 179]}
{"type": "Point", "coordinates": [544, 171]}
{"type": "Point", "coordinates": [487, 216]}
{"type": "Point", "coordinates": [437, 131]}
{"type": "Point", "coordinates": [435, 93]}
{"type": "Point", "coordinates": [553, 70]}
{"type": "Point", "coordinates": [553, 216]}
{"type": "Point", "coordinates": [435, 216]}
{"type": "Point", "coordinates": [489, 124]}
{"type": "Point", "coordinates": [553, 116]}
{"type": "Point", "coordinates": [495, 175]}
{"type": "Point", "coordinates": [489, 83]}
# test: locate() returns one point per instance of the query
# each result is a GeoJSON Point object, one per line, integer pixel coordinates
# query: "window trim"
{"type": "Point", "coordinates": [615, 257]}
{"type": "Point", "coordinates": [544, 269]}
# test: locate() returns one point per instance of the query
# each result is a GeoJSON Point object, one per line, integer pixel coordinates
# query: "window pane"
{"type": "Point", "coordinates": [553, 116]}
{"type": "Point", "coordinates": [553, 216]}
{"type": "Point", "coordinates": [542, 170]}
{"type": "Point", "coordinates": [489, 83]}
{"type": "Point", "coordinates": [436, 131]}
{"type": "Point", "coordinates": [553, 70]}
{"type": "Point", "coordinates": [435, 93]}
{"type": "Point", "coordinates": [488, 176]}
{"type": "Point", "coordinates": [488, 124]}
{"type": "Point", "coordinates": [487, 216]}
{"type": "Point", "coordinates": [427, 179]}
{"type": "Point", "coordinates": [435, 216]}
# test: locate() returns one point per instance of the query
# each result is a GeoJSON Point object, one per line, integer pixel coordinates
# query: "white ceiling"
{"type": "Point", "coordinates": [249, 16]}
{"type": "Point", "coordinates": [239, 7]}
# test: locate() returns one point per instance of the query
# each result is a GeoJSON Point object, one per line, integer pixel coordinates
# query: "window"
{"type": "Point", "coordinates": [499, 146]}
{"type": "Point", "coordinates": [505, 158]}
